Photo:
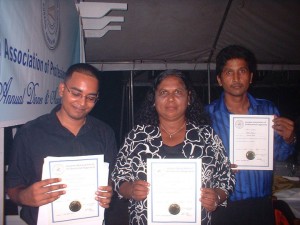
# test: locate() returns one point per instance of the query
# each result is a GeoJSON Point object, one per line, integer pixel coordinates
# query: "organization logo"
{"type": "Point", "coordinates": [239, 124]}
{"type": "Point", "coordinates": [50, 22]}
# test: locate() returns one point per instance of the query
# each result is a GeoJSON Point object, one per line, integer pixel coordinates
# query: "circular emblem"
{"type": "Point", "coordinates": [75, 206]}
{"type": "Point", "coordinates": [239, 124]}
{"type": "Point", "coordinates": [58, 169]}
{"type": "Point", "coordinates": [50, 22]}
{"type": "Point", "coordinates": [250, 155]}
{"type": "Point", "coordinates": [174, 209]}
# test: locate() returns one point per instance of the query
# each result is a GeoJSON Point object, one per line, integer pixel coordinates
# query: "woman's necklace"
{"type": "Point", "coordinates": [171, 134]}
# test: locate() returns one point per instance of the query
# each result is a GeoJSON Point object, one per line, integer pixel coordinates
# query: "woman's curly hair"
{"type": "Point", "coordinates": [194, 113]}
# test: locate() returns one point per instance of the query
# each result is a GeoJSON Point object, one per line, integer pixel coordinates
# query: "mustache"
{"type": "Point", "coordinates": [237, 85]}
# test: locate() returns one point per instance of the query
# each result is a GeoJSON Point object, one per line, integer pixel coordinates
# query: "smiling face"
{"type": "Point", "coordinates": [171, 99]}
{"type": "Point", "coordinates": [76, 94]}
{"type": "Point", "coordinates": [235, 77]}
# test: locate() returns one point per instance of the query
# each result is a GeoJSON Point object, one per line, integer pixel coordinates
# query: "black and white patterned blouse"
{"type": "Point", "coordinates": [145, 141]}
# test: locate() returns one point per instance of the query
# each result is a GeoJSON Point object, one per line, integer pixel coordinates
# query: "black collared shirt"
{"type": "Point", "coordinates": [45, 136]}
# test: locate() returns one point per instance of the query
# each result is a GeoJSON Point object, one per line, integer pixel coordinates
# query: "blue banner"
{"type": "Point", "coordinates": [39, 40]}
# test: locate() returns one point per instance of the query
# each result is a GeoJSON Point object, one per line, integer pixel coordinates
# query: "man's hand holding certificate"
{"type": "Point", "coordinates": [251, 141]}
{"type": "Point", "coordinates": [82, 175]}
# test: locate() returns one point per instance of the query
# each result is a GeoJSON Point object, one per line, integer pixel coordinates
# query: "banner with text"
{"type": "Point", "coordinates": [39, 40]}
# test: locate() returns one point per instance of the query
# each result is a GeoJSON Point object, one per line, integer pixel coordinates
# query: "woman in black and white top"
{"type": "Point", "coordinates": [172, 124]}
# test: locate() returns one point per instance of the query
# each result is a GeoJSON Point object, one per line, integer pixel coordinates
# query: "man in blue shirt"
{"type": "Point", "coordinates": [251, 202]}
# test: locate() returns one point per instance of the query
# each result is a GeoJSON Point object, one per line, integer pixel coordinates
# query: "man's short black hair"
{"type": "Point", "coordinates": [82, 68]}
{"type": "Point", "coordinates": [235, 52]}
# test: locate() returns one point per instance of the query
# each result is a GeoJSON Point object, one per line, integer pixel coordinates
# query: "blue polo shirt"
{"type": "Point", "coordinates": [249, 183]}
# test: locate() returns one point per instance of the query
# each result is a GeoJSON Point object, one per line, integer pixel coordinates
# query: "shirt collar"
{"type": "Point", "coordinates": [85, 128]}
{"type": "Point", "coordinates": [222, 106]}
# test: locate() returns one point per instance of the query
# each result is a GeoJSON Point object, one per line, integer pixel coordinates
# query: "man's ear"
{"type": "Point", "coordinates": [251, 77]}
{"type": "Point", "coordinates": [219, 80]}
{"type": "Point", "coordinates": [61, 88]}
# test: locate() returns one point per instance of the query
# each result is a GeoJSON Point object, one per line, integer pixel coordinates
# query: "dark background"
{"type": "Point", "coordinates": [281, 87]}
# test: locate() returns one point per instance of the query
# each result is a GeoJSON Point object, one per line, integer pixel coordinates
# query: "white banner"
{"type": "Point", "coordinates": [39, 40]}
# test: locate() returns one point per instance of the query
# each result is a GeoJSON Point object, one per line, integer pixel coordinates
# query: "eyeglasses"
{"type": "Point", "coordinates": [78, 95]}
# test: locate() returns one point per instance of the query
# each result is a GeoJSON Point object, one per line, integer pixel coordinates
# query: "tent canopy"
{"type": "Point", "coordinates": [188, 34]}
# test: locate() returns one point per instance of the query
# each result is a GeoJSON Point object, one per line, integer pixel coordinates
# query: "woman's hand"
{"type": "Point", "coordinates": [137, 190]}
{"type": "Point", "coordinates": [211, 198]}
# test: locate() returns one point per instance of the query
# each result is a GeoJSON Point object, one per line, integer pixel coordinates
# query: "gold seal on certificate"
{"type": "Point", "coordinates": [75, 206]}
{"type": "Point", "coordinates": [250, 155]}
{"type": "Point", "coordinates": [174, 209]}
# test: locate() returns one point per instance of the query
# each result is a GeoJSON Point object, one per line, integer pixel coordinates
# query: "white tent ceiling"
{"type": "Point", "coordinates": [187, 34]}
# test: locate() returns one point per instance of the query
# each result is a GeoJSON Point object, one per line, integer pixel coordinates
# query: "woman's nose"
{"type": "Point", "coordinates": [171, 96]}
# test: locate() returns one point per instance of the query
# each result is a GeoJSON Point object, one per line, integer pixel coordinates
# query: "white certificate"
{"type": "Point", "coordinates": [82, 175]}
{"type": "Point", "coordinates": [174, 191]}
{"type": "Point", "coordinates": [251, 141]}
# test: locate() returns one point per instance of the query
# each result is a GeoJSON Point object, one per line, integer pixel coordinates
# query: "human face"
{"type": "Point", "coordinates": [171, 99]}
{"type": "Point", "coordinates": [74, 107]}
{"type": "Point", "coordinates": [235, 77]}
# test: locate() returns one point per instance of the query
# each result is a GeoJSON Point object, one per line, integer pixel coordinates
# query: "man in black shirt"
{"type": "Point", "coordinates": [67, 131]}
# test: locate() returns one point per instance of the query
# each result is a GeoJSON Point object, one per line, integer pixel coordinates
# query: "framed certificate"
{"type": "Point", "coordinates": [251, 141]}
{"type": "Point", "coordinates": [174, 191]}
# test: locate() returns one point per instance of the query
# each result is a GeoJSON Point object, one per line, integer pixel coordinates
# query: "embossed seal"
{"type": "Point", "coordinates": [239, 124]}
{"type": "Point", "coordinates": [75, 206]}
{"type": "Point", "coordinates": [174, 209]}
{"type": "Point", "coordinates": [250, 155]}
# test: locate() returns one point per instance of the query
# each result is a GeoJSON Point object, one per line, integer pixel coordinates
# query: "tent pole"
{"type": "Point", "coordinates": [208, 83]}
{"type": "Point", "coordinates": [214, 47]}
{"type": "Point", "coordinates": [220, 30]}
{"type": "Point", "coordinates": [122, 112]}
{"type": "Point", "coordinates": [131, 100]}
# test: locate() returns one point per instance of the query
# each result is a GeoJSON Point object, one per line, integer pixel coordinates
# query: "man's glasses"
{"type": "Point", "coordinates": [78, 95]}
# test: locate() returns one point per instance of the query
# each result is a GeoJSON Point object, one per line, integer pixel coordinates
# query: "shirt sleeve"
{"type": "Point", "coordinates": [224, 178]}
{"type": "Point", "coordinates": [19, 172]}
{"type": "Point", "coordinates": [122, 171]}
{"type": "Point", "coordinates": [111, 149]}
{"type": "Point", "coordinates": [282, 150]}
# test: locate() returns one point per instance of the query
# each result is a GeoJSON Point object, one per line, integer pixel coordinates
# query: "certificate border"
{"type": "Point", "coordinates": [50, 176]}
{"type": "Point", "coordinates": [269, 118]}
{"type": "Point", "coordinates": [198, 169]}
